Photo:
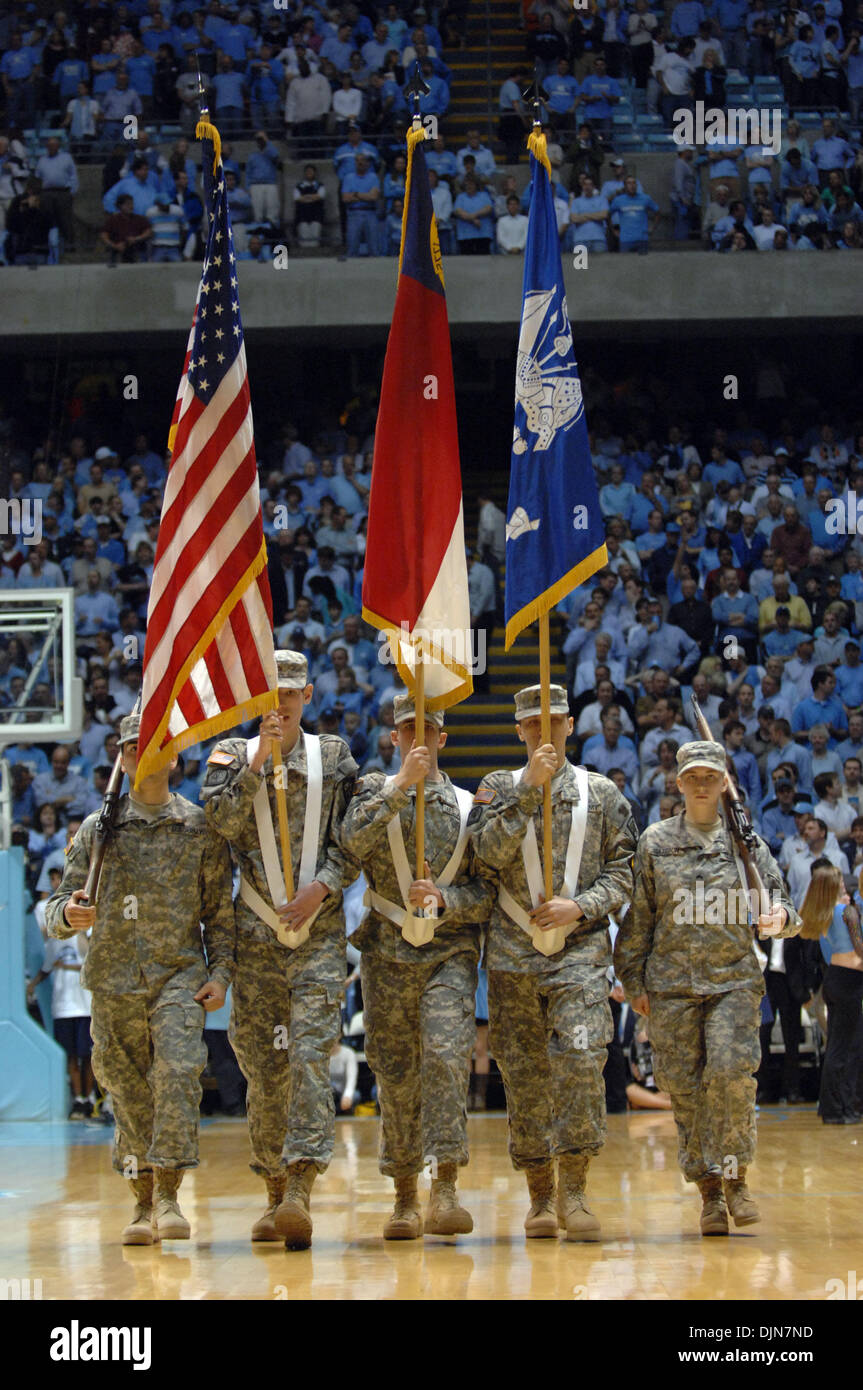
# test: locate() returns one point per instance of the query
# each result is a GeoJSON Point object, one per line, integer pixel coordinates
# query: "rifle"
{"type": "Point", "coordinates": [739, 822]}
{"type": "Point", "coordinates": [105, 824]}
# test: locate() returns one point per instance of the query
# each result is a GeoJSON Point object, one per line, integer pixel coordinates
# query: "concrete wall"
{"type": "Point", "coordinates": [313, 297]}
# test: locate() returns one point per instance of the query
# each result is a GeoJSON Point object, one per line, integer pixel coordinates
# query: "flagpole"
{"type": "Point", "coordinates": [544, 639]}
{"type": "Point", "coordinates": [420, 738]}
{"type": "Point", "coordinates": [417, 88]}
{"type": "Point", "coordinates": [282, 809]}
{"type": "Point", "coordinates": [545, 737]}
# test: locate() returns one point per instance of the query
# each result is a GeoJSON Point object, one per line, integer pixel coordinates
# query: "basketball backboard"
{"type": "Point", "coordinates": [43, 701]}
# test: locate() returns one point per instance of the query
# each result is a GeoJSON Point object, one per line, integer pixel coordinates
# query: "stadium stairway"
{"type": "Point", "coordinates": [494, 45]}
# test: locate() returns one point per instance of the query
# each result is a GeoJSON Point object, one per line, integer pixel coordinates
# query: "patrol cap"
{"type": "Point", "coordinates": [130, 727]}
{"type": "Point", "coordinates": [700, 753]}
{"type": "Point", "coordinates": [405, 708]}
{"type": "Point", "coordinates": [527, 701]}
{"type": "Point", "coordinates": [292, 670]}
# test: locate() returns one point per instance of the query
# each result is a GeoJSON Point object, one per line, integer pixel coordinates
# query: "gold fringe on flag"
{"type": "Point", "coordinates": [204, 130]}
{"type": "Point", "coordinates": [414, 138]}
{"type": "Point", "coordinates": [537, 144]}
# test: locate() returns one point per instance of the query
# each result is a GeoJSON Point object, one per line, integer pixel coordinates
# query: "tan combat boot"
{"type": "Point", "coordinates": [740, 1201]}
{"type": "Point", "coordinates": [444, 1216]}
{"type": "Point", "coordinates": [714, 1216]}
{"type": "Point", "coordinates": [406, 1222]}
{"type": "Point", "coordinates": [541, 1221]}
{"type": "Point", "coordinates": [168, 1221]}
{"type": "Point", "coordinates": [572, 1212]}
{"type": "Point", "coordinates": [292, 1219]}
{"type": "Point", "coordinates": [140, 1229]}
{"type": "Point", "coordinates": [265, 1227]}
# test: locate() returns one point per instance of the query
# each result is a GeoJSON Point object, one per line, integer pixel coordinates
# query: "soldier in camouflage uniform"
{"type": "Point", "coordinates": [548, 962]}
{"type": "Point", "coordinates": [685, 957]}
{"type": "Point", "coordinates": [418, 999]}
{"type": "Point", "coordinates": [164, 874]}
{"type": "Point", "coordinates": [290, 957]}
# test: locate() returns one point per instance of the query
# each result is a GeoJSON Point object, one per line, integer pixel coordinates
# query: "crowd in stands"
{"type": "Point", "coordinates": [305, 83]}
{"type": "Point", "coordinates": [684, 52]}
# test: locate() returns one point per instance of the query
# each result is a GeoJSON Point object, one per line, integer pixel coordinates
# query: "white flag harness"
{"type": "Point", "coordinates": [269, 851]}
{"type": "Point", "coordinates": [417, 928]}
{"type": "Point", "coordinates": [548, 943]}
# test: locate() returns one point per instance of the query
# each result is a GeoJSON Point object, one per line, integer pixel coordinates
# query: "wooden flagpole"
{"type": "Point", "coordinates": [545, 737]}
{"type": "Point", "coordinates": [282, 807]}
{"type": "Point", "coordinates": [420, 726]}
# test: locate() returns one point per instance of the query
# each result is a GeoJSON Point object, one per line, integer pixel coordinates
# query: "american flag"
{"type": "Point", "coordinates": [208, 659]}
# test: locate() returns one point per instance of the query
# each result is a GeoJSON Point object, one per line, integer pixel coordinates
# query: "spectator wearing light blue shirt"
{"type": "Point", "coordinates": [561, 89]}
{"type": "Point", "coordinates": [229, 87]}
{"type": "Point", "coordinates": [631, 209]}
{"type": "Point", "coordinates": [345, 157]}
{"type": "Point", "coordinates": [474, 219]}
{"type": "Point", "coordinates": [435, 102]}
{"type": "Point", "coordinates": [612, 748]}
{"type": "Point", "coordinates": [56, 169]}
{"type": "Point", "coordinates": [852, 61]}
{"type": "Point", "coordinates": [823, 706]}
{"type": "Point", "coordinates": [849, 677]}
{"type": "Point", "coordinates": [685, 19]}
{"type": "Point", "coordinates": [823, 527]}
{"type": "Point", "coordinates": [442, 160]}
{"type": "Point", "coordinates": [730, 15]}
{"type": "Point", "coordinates": [266, 79]}
{"type": "Point", "coordinates": [18, 68]}
{"type": "Point", "coordinates": [338, 47]}
{"type": "Point", "coordinates": [141, 67]}
{"type": "Point", "coordinates": [484, 161]}
{"type": "Point", "coordinates": [588, 217]}
{"type": "Point", "coordinates": [795, 173]}
{"type": "Point", "coordinates": [375, 49]}
{"type": "Point", "coordinates": [360, 194]}
{"type": "Point", "coordinates": [67, 74]}
{"type": "Point", "coordinates": [735, 613]}
{"type": "Point", "coordinates": [235, 40]}
{"type": "Point", "coordinates": [722, 469]}
{"type": "Point", "coordinates": [733, 732]}
{"type": "Point", "coordinates": [830, 151]}
{"type": "Point", "coordinates": [39, 573]}
{"type": "Point", "coordinates": [804, 61]}
{"type": "Point", "coordinates": [783, 639]}
{"type": "Point", "coordinates": [598, 96]}
{"type": "Point", "coordinates": [95, 611]}
{"type": "Point", "coordinates": [117, 103]}
{"type": "Point", "coordinates": [262, 179]}
{"type": "Point", "coordinates": [778, 822]}
{"type": "Point", "coordinates": [616, 497]}
{"type": "Point", "coordinates": [652, 642]}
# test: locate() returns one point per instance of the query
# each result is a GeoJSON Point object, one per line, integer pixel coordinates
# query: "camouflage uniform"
{"type": "Point", "coordinates": [164, 874]}
{"type": "Point", "coordinates": [549, 1017]}
{"type": "Point", "coordinates": [418, 1002]}
{"type": "Point", "coordinates": [704, 986]}
{"type": "Point", "coordinates": [290, 1104]}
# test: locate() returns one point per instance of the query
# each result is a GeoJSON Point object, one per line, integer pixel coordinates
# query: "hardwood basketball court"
{"type": "Point", "coordinates": [62, 1209]}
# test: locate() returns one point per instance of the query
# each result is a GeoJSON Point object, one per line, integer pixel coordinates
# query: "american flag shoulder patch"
{"type": "Point", "coordinates": [484, 796]}
{"type": "Point", "coordinates": [221, 759]}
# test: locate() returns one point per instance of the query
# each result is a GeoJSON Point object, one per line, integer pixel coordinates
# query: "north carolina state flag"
{"type": "Point", "coordinates": [415, 579]}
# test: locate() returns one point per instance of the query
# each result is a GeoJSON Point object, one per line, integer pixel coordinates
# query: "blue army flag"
{"type": "Point", "coordinates": [555, 537]}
